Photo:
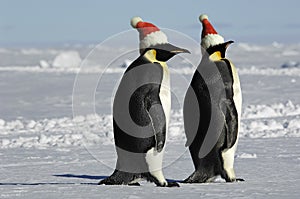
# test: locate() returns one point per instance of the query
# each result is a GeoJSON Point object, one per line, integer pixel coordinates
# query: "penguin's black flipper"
{"type": "Point", "coordinates": [145, 106]}
{"type": "Point", "coordinates": [227, 105]}
{"type": "Point", "coordinates": [157, 116]}
{"type": "Point", "coordinates": [231, 126]}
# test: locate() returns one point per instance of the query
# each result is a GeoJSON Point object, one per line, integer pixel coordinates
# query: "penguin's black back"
{"type": "Point", "coordinates": [138, 91]}
{"type": "Point", "coordinates": [202, 96]}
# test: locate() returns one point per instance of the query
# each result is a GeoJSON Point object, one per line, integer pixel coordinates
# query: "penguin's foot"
{"type": "Point", "coordinates": [108, 181]}
{"type": "Point", "coordinates": [160, 183]}
{"type": "Point", "coordinates": [169, 184]}
{"type": "Point", "coordinates": [173, 184]}
{"type": "Point", "coordinates": [235, 180]}
{"type": "Point", "coordinates": [134, 184]}
{"type": "Point", "coordinates": [120, 178]}
{"type": "Point", "coordinates": [196, 177]}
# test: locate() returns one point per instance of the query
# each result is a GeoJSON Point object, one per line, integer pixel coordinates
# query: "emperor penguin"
{"type": "Point", "coordinates": [212, 110]}
{"type": "Point", "coordinates": [141, 111]}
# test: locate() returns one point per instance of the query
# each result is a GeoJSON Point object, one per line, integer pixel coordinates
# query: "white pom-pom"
{"type": "Point", "coordinates": [134, 21]}
{"type": "Point", "coordinates": [202, 17]}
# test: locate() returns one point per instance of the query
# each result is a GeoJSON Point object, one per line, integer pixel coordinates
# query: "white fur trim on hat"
{"type": "Point", "coordinates": [211, 40]}
{"type": "Point", "coordinates": [135, 20]}
{"type": "Point", "coordinates": [154, 38]}
{"type": "Point", "coordinates": [202, 17]}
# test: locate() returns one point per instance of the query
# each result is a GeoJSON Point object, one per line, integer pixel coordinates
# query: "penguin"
{"type": "Point", "coordinates": [212, 110]}
{"type": "Point", "coordinates": [141, 111]}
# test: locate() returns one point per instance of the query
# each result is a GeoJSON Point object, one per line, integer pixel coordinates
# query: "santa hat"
{"type": "Point", "coordinates": [150, 35]}
{"type": "Point", "coordinates": [209, 36]}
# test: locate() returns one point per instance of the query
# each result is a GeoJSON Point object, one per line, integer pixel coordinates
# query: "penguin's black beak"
{"type": "Point", "coordinates": [164, 52]}
{"type": "Point", "coordinates": [227, 43]}
{"type": "Point", "coordinates": [171, 48]}
{"type": "Point", "coordinates": [220, 47]}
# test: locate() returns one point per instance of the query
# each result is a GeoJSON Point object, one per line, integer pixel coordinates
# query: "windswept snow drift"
{"type": "Point", "coordinates": [67, 59]}
{"type": "Point", "coordinates": [258, 121]}
{"type": "Point", "coordinates": [47, 153]}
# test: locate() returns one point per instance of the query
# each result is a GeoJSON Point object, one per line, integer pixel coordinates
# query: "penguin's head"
{"type": "Point", "coordinates": [218, 51]}
{"type": "Point", "coordinates": [209, 36]}
{"type": "Point", "coordinates": [164, 52]}
{"type": "Point", "coordinates": [211, 42]}
{"type": "Point", "coordinates": [151, 37]}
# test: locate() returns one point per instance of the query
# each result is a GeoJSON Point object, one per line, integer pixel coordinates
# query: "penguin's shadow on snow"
{"type": "Point", "coordinates": [97, 177]}
{"type": "Point", "coordinates": [81, 176]}
{"type": "Point", "coordinates": [57, 183]}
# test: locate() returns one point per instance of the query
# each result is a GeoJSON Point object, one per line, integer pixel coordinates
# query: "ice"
{"type": "Point", "coordinates": [67, 59]}
{"type": "Point", "coordinates": [290, 64]}
{"type": "Point", "coordinates": [250, 48]}
{"type": "Point", "coordinates": [271, 110]}
{"type": "Point", "coordinates": [126, 63]}
{"type": "Point", "coordinates": [253, 70]}
{"type": "Point", "coordinates": [258, 121]}
{"type": "Point", "coordinates": [294, 123]}
{"type": "Point", "coordinates": [247, 155]}
{"type": "Point", "coordinates": [31, 51]}
{"type": "Point", "coordinates": [47, 152]}
{"type": "Point", "coordinates": [2, 122]}
{"type": "Point", "coordinates": [44, 64]}
{"type": "Point", "coordinates": [290, 53]}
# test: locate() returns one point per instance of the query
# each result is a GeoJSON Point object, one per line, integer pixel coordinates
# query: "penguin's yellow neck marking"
{"type": "Point", "coordinates": [151, 56]}
{"type": "Point", "coordinates": [216, 56]}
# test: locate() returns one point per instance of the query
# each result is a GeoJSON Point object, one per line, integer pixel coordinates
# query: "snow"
{"type": "Point", "coordinates": [271, 110]}
{"type": "Point", "coordinates": [44, 64]}
{"type": "Point", "coordinates": [45, 149]}
{"type": "Point", "coordinates": [126, 63]}
{"type": "Point", "coordinates": [67, 59]}
{"type": "Point", "coordinates": [84, 130]}
{"type": "Point", "coordinates": [290, 64]}
{"type": "Point", "coordinates": [247, 155]}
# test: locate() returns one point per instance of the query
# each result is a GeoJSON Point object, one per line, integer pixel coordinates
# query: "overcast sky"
{"type": "Point", "coordinates": [61, 21]}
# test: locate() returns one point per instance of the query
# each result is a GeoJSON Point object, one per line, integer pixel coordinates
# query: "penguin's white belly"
{"type": "Point", "coordinates": [165, 94]}
{"type": "Point", "coordinates": [154, 159]}
{"type": "Point", "coordinates": [237, 93]}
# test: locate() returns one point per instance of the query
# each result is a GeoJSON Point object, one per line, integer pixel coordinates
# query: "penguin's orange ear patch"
{"type": "Point", "coordinates": [216, 56]}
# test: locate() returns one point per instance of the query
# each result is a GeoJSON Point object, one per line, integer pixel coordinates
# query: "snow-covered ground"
{"type": "Point", "coordinates": [47, 152]}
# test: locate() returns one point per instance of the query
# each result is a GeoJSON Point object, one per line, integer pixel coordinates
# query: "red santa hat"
{"type": "Point", "coordinates": [209, 36]}
{"type": "Point", "coordinates": [150, 35]}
